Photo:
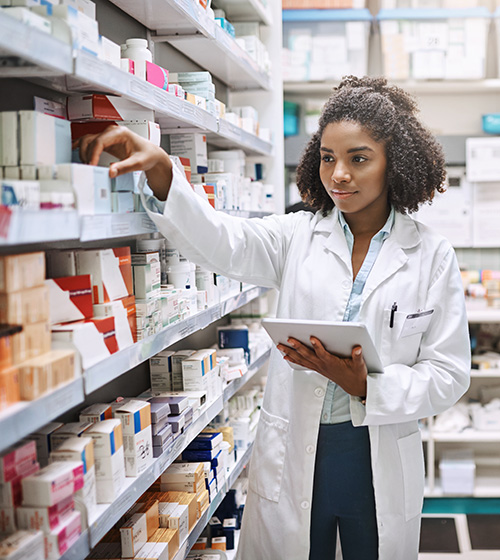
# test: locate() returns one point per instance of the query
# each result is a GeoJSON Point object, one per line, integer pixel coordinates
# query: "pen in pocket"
{"type": "Point", "coordinates": [394, 308]}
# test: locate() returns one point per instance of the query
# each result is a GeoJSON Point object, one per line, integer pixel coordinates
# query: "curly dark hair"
{"type": "Point", "coordinates": [415, 160]}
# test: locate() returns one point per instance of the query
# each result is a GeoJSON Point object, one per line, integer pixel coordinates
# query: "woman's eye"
{"type": "Point", "coordinates": [358, 159]}
{"type": "Point", "coordinates": [327, 159]}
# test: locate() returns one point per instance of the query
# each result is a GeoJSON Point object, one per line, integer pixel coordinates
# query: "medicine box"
{"type": "Point", "coordinates": [109, 459]}
{"type": "Point", "coordinates": [457, 469]}
{"type": "Point", "coordinates": [63, 536]}
{"type": "Point", "coordinates": [147, 280]}
{"type": "Point", "coordinates": [324, 45]}
{"type": "Point", "coordinates": [431, 43]}
{"type": "Point", "coordinates": [22, 545]}
{"type": "Point", "coordinates": [169, 536]}
{"type": "Point", "coordinates": [9, 149]}
{"type": "Point", "coordinates": [43, 518]}
{"type": "Point", "coordinates": [198, 364]}
{"type": "Point", "coordinates": [111, 271]}
{"type": "Point", "coordinates": [106, 107]}
{"type": "Point", "coordinates": [134, 534]}
{"type": "Point", "coordinates": [21, 272]}
{"type": "Point", "coordinates": [52, 484]}
{"type": "Point", "coordinates": [70, 298]}
{"type": "Point", "coordinates": [124, 313]}
{"type": "Point", "coordinates": [192, 146]}
{"type": "Point", "coordinates": [27, 306]}
{"type": "Point", "coordinates": [84, 29]}
{"type": "Point", "coordinates": [42, 440]}
{"type": "Point", "coordinates": [137, 439]}
{"type": "Point", "coordinates": [66, 431]}
{"type": "Point", "coordinates": [44, 139]}
{"type": "Point", "coordinates": [96, 413]}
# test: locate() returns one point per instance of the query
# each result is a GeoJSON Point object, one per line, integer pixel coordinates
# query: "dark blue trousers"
{"type": "Point", "coordinates": [343, 495]}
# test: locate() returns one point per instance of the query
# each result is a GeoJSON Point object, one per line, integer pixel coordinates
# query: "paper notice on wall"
{"type": "Point", "coordinates": [433, 36]}
{"type": "Point", "coordinates": [355, 32]}
{"type": "Point", "coordinates": [486, 225]}
{"type": "Point", "coordinates": [482, 156]}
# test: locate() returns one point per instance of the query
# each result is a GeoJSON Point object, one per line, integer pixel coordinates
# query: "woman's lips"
{"type": "Point", "coordinates": [341, 195]}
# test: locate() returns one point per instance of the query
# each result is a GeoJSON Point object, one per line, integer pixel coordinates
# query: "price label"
{"type": "Point", "coordinates": [120, 229]}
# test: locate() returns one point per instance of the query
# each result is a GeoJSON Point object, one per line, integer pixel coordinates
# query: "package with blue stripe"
{"type": "Point", "coordinates": [234, 336]}
{"type": "Point", "coordinates": [200, 454]}
{"type": "Point", "coordinates": [109, 459]}
{"type": "Point", "coordinates": [206, 440]}
{"type": "Point", "coordinates": [137, 439]}
{"type": "Point", "coordinates": [228, 529]}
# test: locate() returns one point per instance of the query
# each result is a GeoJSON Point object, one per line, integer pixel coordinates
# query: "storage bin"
{"type": "Point", "coordinates": [457, 469]}
{"type": "Point", "coordinates": [324, 45]}
{"type": "Point", "coordinates": [425, 44]}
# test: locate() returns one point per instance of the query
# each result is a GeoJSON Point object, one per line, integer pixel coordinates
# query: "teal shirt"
{"type": "Point", "coordinates": [336, 404]}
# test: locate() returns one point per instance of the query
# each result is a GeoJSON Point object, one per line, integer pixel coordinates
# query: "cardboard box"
{"type": "Point", "coordinates": [198, 364]}
{"type": "Point", "coordinates": [11, 493]}
{"type": "Point", "coordinates": [23, 545]}
{"type": "Point", "coordinates": [70, 298]}
{"type": "Point", "coordinates": [17, 460]}
{"type": "Point", "coordinates": [111, 271]}
{"type": "Point", "coordinates": [76, 449]}
{"type": "Point", "coordinates": [63, 536]}
{"type": "Point", "coordinates": [147, 280]}
{"type": "Point", "coordinates": [96, 413]}
{"type": "Point", "coordinates": [32, 341]}
{"type": "Point", "coordinates": [28, 306]}
{"type": "Point", "coordinates": [60, 263]}
{"type": "Point", "coordinates": [137, 439]}
{"type": "Point", "coordinates": [106, 107]}
{"type": "Point", "coordinates": [135, 531]}
{"type": "Point", "coordinates": [169, 536]}
{"type": "Point", "coordinates": [43, 518]}
{"type": "Point", "coordinates": [66, 431]}
{"type": "Point", "coordinates": [10, 391]}
{"type": "Point", "coordinates": [192, 146]}
{"type": "Point", "coordinates": [188, 499]}
{"type": "Point", "coordinates": [45, 140]}
{"type": "Point", "coordinates": [124, 312]}
{"type": "Point", "coordinates": [21, 272]}
{"type": "Point", "coordinates": [46, 372]}
{"type": "Point", "coordinates": [9, 150]}
{"type": "Point", "coordinates": [110, 52]}
{"type": "Point", "coordinates": [109, 459]}
{"type": "Point", "coordinates": [42, 440]}
{"type": "Point", "coordinates": [52, 484]}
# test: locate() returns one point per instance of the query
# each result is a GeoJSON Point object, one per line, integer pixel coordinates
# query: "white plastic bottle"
{"type": "Point", "coordinates": [137, 50]}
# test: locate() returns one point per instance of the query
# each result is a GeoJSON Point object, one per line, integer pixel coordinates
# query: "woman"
{"type": "Point", "coordinates": [337, 447]}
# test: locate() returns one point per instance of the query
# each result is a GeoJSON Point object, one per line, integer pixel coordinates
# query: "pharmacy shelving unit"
{"type": "Point", "coordinates": [484, 443]}
{"type": "Point", "coordinates": [25, 417]}
{"type": "Point", "coordinates": [107, 515]}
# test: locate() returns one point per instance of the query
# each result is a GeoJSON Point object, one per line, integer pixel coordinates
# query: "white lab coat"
{"type": "Point", "coordinates": [306, 258]}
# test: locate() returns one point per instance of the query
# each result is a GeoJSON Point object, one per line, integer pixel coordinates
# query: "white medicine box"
{"type": "Point", "coordinates": [429, 44]}
{"type": "Point", "coordinates": [457, 469]}
{"type": "Point", "coordinates": [323, 45]}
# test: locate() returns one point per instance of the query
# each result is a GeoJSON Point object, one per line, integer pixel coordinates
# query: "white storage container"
{"type": "Point", "coordinates": [324, 45]}
{"type": "Point", "coordinates": [425, 44]}
{"type": "Point", "coordinates": [457, 469]}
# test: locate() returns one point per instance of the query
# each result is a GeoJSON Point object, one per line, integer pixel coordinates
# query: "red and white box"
{"type": "Point", "coordinates": [17, 460]}
{"type": "Point", "coordinates": [124, 312]}
{"type": "Point", "coordinates": [94, 340]}
{"type": "Point", "coordinates": [52, 484]}
{"type": "Point", "coordinates": [44, 518]}
{"type": "Point", "coordinates": [63, 536]}
{"type": "Point", "coordinates": [11, 493]}
{"type": "Point", "coordinates": [22, 545]}
{"type": "Point", "coordinates": [111, 271]}
{"type": "Point", "coordinates": [96, 106]}
{"type": "Point", "coordinates": [70, 298]}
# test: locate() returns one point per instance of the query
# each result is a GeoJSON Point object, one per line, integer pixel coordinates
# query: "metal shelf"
{"type": "Point", "coordinates": [102, 373]}
{"type": "Point", "coordinates": [483, 373]}
{"type": "Point", "coordinates": [482, 314]}
{"type": "Point", "coordinates": [111, 226]}
{"type": "Point", "coordinates": [467, 436]}
{"type": "Point", "coordinates": [21, 227]}
{"type": "Point", "coordinates": [436, 87]}
{"type": "Point", "coordinates": [231, 136]}
{"type": "Point", "coordinates": [30, 52]}
{"type": "Point", "coordinates": [25, 417]}
{"type": "Point", "coordinates": [484, 487]}
{"type": "Point", "coordinates": [246, 10]}
{"type": "Point", "coordinates": [238, 468]}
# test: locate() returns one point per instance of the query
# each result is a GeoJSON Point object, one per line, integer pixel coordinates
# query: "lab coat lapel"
{"type": "Point", "coordinates": [393, 255]}
{"type": "Point", "coordinates": [334, 240]}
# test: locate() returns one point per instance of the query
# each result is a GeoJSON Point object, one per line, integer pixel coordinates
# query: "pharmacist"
{"type": "Point", "coordinates": [336, 447]}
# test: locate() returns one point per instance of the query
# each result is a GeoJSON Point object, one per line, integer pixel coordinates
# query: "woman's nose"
{"type": "Point", "coordinates": [341, 174]}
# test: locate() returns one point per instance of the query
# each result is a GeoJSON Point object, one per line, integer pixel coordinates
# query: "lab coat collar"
{"type": "Point", "coordinates": [404, 232]}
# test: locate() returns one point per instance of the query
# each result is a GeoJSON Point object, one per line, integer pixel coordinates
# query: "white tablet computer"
{"type": "Point", "coordinates": [339, 338]}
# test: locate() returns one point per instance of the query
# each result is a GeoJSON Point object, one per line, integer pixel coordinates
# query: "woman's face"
{"type": "Point", "coordinates": [353, 169]}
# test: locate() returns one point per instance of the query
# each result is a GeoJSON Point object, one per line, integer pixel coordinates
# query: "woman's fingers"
{"type": "Point", "coordinates": [133, 163]}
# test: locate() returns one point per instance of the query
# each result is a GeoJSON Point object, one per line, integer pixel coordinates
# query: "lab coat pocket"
{"type": "Point", "coordinates": [412, 466]}
{"type": "Point", "coordinates": [268, 456]}
{"type": "Point", "coordinates": [401, 350]}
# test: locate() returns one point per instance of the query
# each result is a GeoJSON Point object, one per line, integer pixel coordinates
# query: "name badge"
{"type": "Point", "coordinates": [416, 323]}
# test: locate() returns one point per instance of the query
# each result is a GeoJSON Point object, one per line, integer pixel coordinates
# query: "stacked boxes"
{"type": "Point", "coordinates": [23, 545]}
{"type": "Point", "coordinates": [160, 367]}
{"type": "Point", "coordinates": [109, 459]}
{"type": "Point", "coordinates": [160, 427]}
{"type": "Point", "coordinates": [81, 449]}
{"type": "Point", "coordinates": [139, 528]}
{"type": "Point", "coordinates": [16, 463]}
{"type": "Point", "coordinates": [137, 440]}
{"type": "Point", "coordinates": [199, 371]}
{"type": "Point", "coordinates": [147, 275]}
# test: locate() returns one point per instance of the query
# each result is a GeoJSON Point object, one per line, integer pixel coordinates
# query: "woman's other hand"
{"type": "Point", "coordinates": [135, 154]}
{"type": "Point", "coordinates": [348, 373]}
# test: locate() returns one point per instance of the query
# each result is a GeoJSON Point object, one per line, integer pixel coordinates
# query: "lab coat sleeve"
{"type": "Point", "coordinates": [442, 372]}
{"type": "Point", "coordinates": [251, 250]}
